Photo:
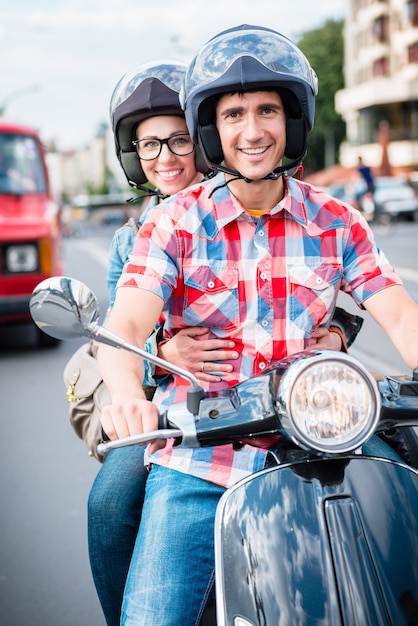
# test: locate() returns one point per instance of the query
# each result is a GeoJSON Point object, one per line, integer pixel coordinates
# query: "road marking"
{"type": "Point", "coordinates": [93, 249]}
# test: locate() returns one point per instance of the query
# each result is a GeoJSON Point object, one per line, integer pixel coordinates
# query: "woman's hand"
{"type": "Point", "coordinates": [323, 339]}
{"type": "Point", "coordinates": [193, 351]}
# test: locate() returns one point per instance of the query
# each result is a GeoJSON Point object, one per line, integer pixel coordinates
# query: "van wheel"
{"type": "Point", "coordinates": [45, 341]}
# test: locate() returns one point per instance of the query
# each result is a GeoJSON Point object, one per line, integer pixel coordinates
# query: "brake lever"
{"type": "Point", "coordinates": [140, 439]}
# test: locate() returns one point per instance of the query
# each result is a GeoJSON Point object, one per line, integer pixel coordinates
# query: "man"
{"type": "Point", "coordinates": [259, 258]}
{"type": "Point", "coordinates": [366, 173]}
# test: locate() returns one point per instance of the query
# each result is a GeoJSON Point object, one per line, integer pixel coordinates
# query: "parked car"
{"type": "Point", "coordinates": [394, 197]}
{"type": "Point", "coordinates": [353, 193]}
{"type": "Point", "coordinates": [30, 229]}
{"type": "Point", "coordinates": [341, 191]}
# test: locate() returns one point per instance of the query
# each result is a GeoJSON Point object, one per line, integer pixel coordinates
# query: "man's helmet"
{"type": "Point", "coordinates": [149, 90]}
{"type": "Point", "coordinates": [248, 58]}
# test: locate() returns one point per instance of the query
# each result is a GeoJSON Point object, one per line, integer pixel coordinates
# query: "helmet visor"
{"type": "Point", "coordinates": [277, 53]}
{"type": "Point", "coordinates": [170, 73]}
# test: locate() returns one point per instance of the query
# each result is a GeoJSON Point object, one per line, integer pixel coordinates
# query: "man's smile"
{"type": "Point", "coordinates": [254, 151]}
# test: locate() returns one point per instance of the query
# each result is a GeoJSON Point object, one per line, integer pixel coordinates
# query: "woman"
{"type": "Point", "coordinates": [153, 146]}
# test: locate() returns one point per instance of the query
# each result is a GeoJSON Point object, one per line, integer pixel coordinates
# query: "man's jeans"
{"type": "Point", "coordinates": [172, 569]}
{"type": "Point", "coordinates": [114, 512]}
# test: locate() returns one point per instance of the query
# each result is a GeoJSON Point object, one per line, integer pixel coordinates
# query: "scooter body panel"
{"type": "Point", "coordinates": [329, 541]}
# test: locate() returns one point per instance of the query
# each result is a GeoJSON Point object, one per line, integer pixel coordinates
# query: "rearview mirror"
{"type": "Point", "coordinates": [64, 308]}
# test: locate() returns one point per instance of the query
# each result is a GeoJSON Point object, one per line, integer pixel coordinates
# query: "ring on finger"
{"type": "Point", "coordinates": [202, 367]}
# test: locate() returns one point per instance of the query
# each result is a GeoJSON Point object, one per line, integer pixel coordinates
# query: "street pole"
{"type": "Point", "coordinates": [17, 93]}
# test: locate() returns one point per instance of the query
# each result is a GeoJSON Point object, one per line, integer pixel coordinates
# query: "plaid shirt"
{"type": "Point", "coordinates": [267, 283]}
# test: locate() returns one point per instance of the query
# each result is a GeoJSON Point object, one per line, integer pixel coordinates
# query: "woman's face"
{"type": "Point", "coordinates": [168, 172]}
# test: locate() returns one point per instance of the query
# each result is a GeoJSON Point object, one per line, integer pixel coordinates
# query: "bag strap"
{"type": "Point", "coordinates": [132, 223]}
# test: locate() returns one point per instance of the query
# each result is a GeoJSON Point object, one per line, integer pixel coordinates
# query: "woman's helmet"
{"type": "Point", "coordinates": [247, 58]}
{"type": "Point", "coordinates": [149, 90]}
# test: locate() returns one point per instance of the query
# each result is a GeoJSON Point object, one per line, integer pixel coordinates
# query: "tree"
{"type": "Point", "coordinates": [324, 48]}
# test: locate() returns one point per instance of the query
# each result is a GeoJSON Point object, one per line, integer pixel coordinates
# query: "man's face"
{"type": "Point", "coordinates": [252, 129]}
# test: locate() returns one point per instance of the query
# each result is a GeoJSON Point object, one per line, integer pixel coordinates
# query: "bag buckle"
{"type": "Point", "coordinates": [70, 395]}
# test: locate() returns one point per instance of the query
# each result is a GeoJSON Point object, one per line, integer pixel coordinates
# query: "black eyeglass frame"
{"type": "Point", "coordinates": [162, 142]}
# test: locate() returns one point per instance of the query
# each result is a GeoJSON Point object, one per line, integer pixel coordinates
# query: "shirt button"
{"type": "Point", "coordinates": [263, 276]}
{"type": "Point", "coordinates": [318, 280]}
{"type": "Point", "coordinates": [211, 284]}
{"type": "Point", "coordinates": [264, 323]}
{"type": "Point", "coordinates": [262, 366]}
{"type": "Point", "coordinates": [261, 233]}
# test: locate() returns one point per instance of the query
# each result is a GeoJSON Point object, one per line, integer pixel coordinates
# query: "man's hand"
{"type": "Point", "coordinates": [122, 419]}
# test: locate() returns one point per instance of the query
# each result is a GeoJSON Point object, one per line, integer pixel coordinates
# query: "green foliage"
{"type": "Point", "coordinates": [324, 48]}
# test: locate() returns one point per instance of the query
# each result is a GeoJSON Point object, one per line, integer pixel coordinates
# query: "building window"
{"type": "Point", "coordinates": [381, 67]}
{"type": "Point", "coordinates": [412, 7]}
{"type": "Point", "coordinates": [380, 28]}
{"type": "Point", "coordinates": [401, 116]}
{"type": "Point", "coordinates": [413, 53]}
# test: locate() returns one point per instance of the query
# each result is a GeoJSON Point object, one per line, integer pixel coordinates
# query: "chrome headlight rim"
{"type": "Point", "coordinates": [299, 366]}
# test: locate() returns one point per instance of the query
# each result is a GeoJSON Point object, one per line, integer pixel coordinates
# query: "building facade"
{"type": "Point", "coordinates": [380, 100]}
{"type": "Point", "coordinates": [86, 170]}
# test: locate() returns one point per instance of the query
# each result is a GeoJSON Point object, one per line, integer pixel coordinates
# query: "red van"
{"type": "Point", "coordinates": [30, 230]}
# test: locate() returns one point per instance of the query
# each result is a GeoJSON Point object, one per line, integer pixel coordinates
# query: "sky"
{"type": "Point", "coordinates": [61, 59]}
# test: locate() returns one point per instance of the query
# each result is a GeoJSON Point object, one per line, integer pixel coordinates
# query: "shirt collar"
{"type": "Point", "coordinates": [226, 207]}
{"type": "Point", "coordinates": [229, 208]}
{"type": "Point", "coordinates": [294, 201]}
{"type": "Point", "coordinates": [220, 208]}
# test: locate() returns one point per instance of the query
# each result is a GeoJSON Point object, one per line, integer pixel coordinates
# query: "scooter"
{"type": "Point", "coordinates": [327, 533]}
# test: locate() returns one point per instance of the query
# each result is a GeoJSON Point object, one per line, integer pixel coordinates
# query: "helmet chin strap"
{"type": "Point", "coordinates": [284, 170]}
{"type": "Point", "coordinates": [148, 192]}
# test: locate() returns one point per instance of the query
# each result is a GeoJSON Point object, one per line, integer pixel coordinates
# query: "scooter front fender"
{"type": "Point", "coordinates": [323, 542]}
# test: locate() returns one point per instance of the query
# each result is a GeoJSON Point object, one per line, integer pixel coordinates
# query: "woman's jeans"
{"type": "Point", "coordinates": [172, 570]}
{"type": "Point", "coordinates": [114, 512]}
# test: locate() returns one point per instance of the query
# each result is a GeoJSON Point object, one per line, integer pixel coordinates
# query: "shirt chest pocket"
{"type": "Point", "coordinates": [211, 296]}
{"type": "Point", "coordinates": [313, 293]}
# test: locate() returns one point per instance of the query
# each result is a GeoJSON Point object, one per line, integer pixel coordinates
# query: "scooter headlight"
{"type": "Point", "coordinates": [328, 402]}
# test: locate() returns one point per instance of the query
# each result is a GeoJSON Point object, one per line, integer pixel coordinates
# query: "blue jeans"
{"type": "Point", "coordinates": [376, 447]}
{"type": "Point", "coordinates": [114, 512]}
{"type": "Point", "coordinates": [172, 570]}
{"type": "Point", "coordinates": [171, 558]}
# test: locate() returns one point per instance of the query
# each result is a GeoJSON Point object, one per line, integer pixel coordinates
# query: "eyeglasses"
{"type": "Point", "coordinates": [149, 149]}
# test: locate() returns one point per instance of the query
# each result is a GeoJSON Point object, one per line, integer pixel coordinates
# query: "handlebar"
{"type": "Point", "coordinates": [141, 439]}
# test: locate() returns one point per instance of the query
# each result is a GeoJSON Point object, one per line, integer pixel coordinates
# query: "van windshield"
{"type": "Point", "coordinates": [21, 168]}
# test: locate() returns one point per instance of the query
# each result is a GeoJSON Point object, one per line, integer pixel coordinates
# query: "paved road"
{"type": "Point", "coordinates": [45, 474]}
{"type": "Point", "coordinates": [45, 477]}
